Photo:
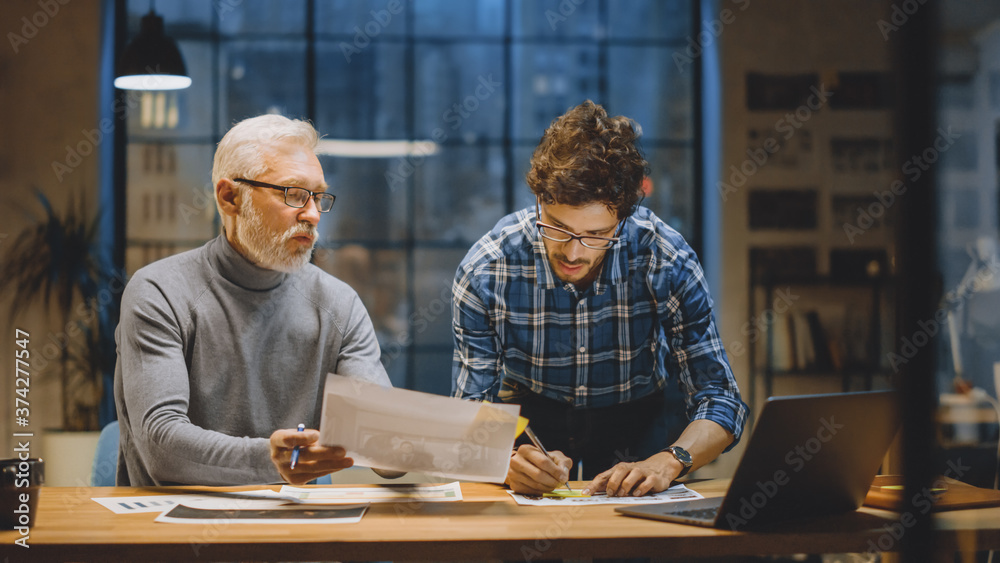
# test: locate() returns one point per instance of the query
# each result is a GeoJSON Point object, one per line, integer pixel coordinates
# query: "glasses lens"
{"type": "Point", "coordinates": [553, 234]}
{"type": "Point", "coordinates": [596, 243]}
{"type": "Point", "coordinates": [296, 197]}
{"type": "Point", "coordinates": [325, 202]}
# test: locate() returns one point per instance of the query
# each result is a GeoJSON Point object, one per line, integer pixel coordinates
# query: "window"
{"type": "Point", "coordinates": [481, 78]}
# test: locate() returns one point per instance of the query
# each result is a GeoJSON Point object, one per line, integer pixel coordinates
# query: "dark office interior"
{"type": "Point", "coordinates": [834, 163]}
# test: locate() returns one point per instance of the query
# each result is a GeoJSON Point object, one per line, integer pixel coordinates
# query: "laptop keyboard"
{"type": "Point", "coordinates": [699, 514]}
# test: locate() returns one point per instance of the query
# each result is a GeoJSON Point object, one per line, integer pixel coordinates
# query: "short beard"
{"type": "Point", "coordinates": [266, 249]}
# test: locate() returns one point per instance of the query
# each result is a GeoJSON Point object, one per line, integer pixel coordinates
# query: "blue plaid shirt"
{"type": "Point", "coordinates": [647, 318]}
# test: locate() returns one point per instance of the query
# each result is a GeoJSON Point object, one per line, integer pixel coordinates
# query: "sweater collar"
{"type": "Point", "coordinates": [235, 268]}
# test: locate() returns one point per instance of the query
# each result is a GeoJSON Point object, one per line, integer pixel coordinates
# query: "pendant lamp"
{"type": "Point", "coordinates": [152, 61]}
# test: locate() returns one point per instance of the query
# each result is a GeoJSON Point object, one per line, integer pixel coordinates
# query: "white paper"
{"type": "Point", "coordinates": [134, 505]}
{"type": "Point", "coordinates": [673, 494]}
{"type": "Point", "coordinates": [403, 430]}
{"type": "Point", "coordinates": [393, 493]}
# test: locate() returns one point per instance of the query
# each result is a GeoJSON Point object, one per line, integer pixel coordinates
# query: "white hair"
{"type": "Point", "coordinates": [240, 153]}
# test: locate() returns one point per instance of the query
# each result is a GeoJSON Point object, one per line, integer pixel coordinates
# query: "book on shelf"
{"type": "Point", "coordinates": [782, 352]}
{"type": "Point", "coordinates": [804, 345]}
{"type": "Point", "coordinates": [801, 342]}
{"type": "Point", "coordinates": [822, 358]}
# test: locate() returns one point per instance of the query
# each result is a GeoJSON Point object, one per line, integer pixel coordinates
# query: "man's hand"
{"type": "Point", "coordinates": [636, 479]}
{"type": "Point", "coordinates": [314, 460]}
{"type": "Point", "coordinates": [532, 472]}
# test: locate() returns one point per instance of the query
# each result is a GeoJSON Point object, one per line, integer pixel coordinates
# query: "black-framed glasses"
{"type": "Point", "coordinates": [296, 196]}
{"type": "Point", "coordinates": [556, 234]}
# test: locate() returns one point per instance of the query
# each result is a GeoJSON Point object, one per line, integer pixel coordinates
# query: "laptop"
{"type": "Point", "coordinates": [809, 456]}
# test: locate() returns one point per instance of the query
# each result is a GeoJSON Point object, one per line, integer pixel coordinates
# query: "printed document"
{"type": "Point", "coordinates": [403, 430]}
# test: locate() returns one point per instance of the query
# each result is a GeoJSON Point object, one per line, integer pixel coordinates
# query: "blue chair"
{"type": "Point", "coordinates": [102, 473]}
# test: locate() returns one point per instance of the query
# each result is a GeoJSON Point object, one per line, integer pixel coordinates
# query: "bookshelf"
{"type": "Point", "coordinates": [799, 333]}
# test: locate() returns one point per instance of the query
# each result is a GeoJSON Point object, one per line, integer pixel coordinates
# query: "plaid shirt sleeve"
{"type": "Point", "coordinates": [697, 356]}
{"type": "Point", "coordinates": [476, 361]}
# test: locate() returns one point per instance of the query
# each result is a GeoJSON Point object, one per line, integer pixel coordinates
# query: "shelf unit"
{"type": "Point", "coordinates": [865, 367]}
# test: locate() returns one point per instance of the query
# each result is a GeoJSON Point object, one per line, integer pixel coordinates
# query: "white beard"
{"type": "Point", "coordinates": [265, 248]}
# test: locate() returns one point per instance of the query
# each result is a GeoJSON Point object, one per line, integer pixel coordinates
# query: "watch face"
{"type": "Point", "coordinates": [681, 454]}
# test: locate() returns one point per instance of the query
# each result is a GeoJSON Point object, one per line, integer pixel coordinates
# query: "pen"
{"type": "Point", "coordinates": [538, 444]}
{"type": "Point", "coordinates": [295, 450]}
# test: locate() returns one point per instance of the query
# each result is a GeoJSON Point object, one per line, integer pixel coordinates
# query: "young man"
{"type": "Point", "coordinates": [582, 308]}
{"type": "Point", "coordinates": [224, 350]}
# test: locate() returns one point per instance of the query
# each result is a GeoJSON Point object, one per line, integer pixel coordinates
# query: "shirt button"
{"type": "Point", "coordinates": [583, 349]}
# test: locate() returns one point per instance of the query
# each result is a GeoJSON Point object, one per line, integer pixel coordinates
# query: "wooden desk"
{"type": "Point", "coordinates": [486, 525]}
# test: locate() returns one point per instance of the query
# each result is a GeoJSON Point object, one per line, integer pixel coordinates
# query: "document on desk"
{"type": "Point", "coordinates": [403, 430]}
{"type": "Point", "coordinates": [257, 507]}
{"type": "Point", "coordinates": [161, 503]}
{"type": "Point", "coordinates": [149, 503]}
{"type": "Point", "coordinates": [448, 492]}
{"type": "Point", "coordinates": [246, 511]}
{"type": "Point", "coordinates": [673, 494]}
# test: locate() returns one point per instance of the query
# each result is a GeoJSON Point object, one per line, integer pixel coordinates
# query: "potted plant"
{"type": "Point", "coordinates": [57, 261]}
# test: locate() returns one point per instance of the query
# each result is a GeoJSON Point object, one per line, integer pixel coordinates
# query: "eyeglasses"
{"type": "Point", "coordinates": [562, 235]}
{"type": "Point", "coordinates": [295, 196]}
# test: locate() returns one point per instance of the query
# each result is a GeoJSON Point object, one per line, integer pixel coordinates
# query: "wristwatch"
{"type": "Point", "coordinates": [682, 456]}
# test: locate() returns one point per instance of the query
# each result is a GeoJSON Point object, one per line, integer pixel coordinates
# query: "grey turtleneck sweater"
{"type": "Point", "coordinates": [215, 354]}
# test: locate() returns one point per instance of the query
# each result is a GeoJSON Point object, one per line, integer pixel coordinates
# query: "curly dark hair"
{"type": "Point", "coordinates": [586, 157]}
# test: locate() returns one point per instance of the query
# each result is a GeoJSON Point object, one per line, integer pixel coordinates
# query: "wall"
{"type": "Point", "coordinates": [48, 101]}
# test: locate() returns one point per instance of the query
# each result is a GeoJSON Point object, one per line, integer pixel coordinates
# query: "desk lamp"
{"type": "Point", "coordinates": [978, 296]}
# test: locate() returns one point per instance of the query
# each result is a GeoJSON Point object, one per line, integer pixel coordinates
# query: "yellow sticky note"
{"type": "Point", "coordinates": [522, 423]}
{"type": "Point", "coordinates": [563, 493]}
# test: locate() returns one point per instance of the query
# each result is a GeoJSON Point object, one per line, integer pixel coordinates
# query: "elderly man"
{"type": "Point", "coordinates": [223, 350]}
{"type": "Point", "coordinates": [582, 308]}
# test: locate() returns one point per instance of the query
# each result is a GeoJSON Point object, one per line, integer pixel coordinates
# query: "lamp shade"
{"type": "Point", "coordinates": [152, 61]}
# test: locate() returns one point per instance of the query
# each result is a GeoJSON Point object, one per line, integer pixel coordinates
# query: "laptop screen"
{"type": "Point", "coordinates": [810, 455]}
